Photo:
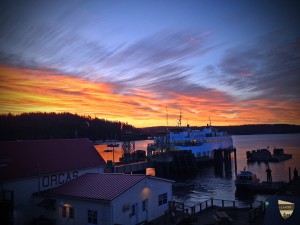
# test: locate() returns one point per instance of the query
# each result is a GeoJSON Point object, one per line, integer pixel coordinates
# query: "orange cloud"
{"type": "Point", "coordinates": [28, 90]}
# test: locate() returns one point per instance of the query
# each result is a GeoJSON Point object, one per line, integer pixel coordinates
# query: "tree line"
{"type": "Point", "coordinates": [39, 125]}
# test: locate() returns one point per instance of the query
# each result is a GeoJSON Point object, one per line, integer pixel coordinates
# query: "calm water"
{"type": "Point", "coordinates": [209, 184]}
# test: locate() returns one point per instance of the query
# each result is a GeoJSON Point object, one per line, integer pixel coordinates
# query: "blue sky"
{"type": "Point", "coordinates": [243, 50]}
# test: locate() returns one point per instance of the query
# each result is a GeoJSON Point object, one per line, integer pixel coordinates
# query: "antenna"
{"type": "Point", "coordinates": [179, 121]}
{"type": "Point", "coordinates": [39, 177]}
{"type": "Point", "coordinates": [167, 116]}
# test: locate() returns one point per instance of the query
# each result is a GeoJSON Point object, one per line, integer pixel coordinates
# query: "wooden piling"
{"type": "Point", "coordinates": [235, 163]}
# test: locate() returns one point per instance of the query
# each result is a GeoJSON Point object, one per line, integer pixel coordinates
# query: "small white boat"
{"type": "Point", "coordinates": [246, 179]}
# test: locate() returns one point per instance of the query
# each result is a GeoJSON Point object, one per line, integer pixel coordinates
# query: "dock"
{"type": "Point", "coordinates": [131, 167]}
{"type": "Point", "coordinates": [213, 211]}
{"type": "Point", "coordinates": [175, 165]}
{"type": "Point", "coordinates": [183, 164]}
{"type": "Point", "coordinates": [264, 155]}
{"type": "Point", "coordinates": [268, 187]}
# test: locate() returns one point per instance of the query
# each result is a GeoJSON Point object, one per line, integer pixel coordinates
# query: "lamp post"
{"type": "Point", "coordinates": [113, 146]}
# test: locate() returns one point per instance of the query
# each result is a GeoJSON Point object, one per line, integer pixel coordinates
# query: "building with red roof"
{"type": "Point", "coordinates": [105, 199]}
{"type": "Point", "coordinates": [37, 165]}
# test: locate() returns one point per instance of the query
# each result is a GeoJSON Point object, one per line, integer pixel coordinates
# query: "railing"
{"type": "Point", "coordinates": [191, 209]}
{"type": "Point", "coordinates": [130, 167]}
{"type": "Point", "coordinates": [255, 212]}
{"type": "Point", "coordinates": [202, 206]}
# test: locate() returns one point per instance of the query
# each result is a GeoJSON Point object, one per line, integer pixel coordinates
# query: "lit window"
{"type": "Point", "coordinates": [92, 217]}
{"type": "Point", "coordinates": [162, 199]}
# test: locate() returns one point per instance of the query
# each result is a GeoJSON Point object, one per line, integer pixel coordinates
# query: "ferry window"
{"type": "Point", "coordinates": [64, 211]}
{"type": "Point", "coordinates": [162, 199]}
{"type": "Point", "coordinates": [71, 213]}
{"type": "Point", "coordinates": [92, 217]}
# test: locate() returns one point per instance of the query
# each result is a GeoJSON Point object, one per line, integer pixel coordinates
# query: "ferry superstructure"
{"type": "Point", "coordinates": [200, 142]}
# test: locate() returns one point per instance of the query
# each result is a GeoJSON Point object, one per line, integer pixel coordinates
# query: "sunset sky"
{"type": "Point", "coordinates": [235, 62]}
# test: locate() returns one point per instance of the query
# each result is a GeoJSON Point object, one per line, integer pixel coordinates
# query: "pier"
{"type": "Point", "coordinates": [133, 167]}
{"type": "Point", "coordinates": [223, 157]}
{"type": "Point", "coordinates": [176, 165]}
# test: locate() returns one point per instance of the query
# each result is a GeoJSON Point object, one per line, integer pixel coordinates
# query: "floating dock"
{"type": "Point", "coordinates": [268, 187]}
{"type": "Point", "coordinates": [264, 155]}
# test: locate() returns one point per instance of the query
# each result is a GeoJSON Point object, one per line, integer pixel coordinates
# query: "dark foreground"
{"type": "Point", "coordinates": [238, 216]}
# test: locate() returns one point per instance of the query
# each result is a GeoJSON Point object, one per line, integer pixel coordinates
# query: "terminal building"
{"type": "Point", "coordinates": [105, 199]}
{"type": "Point", "coordinates": [63, 182]}
{"type": "Point", "coordinates": [27, 167]}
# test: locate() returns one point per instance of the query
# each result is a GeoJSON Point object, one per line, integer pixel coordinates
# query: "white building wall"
{"type": "Point", "coordinates": [23, 189]}
{"type": "Point", "coordinates": [81, 208]}
{"type": "Point", "coordinates": [150, 189]}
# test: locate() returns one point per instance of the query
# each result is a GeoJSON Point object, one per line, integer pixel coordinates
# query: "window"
{"type": "Point", "coordinates": [8, 196]}
{"type": "Point", "coordinates": [132, 210]}
{"type": "Point", "coordinates": [92, 216]}
{"type": "Point", "coordinates": [71, 213]}
{"type": "Point", "coordinates": [162, 199]}
{"type": "Point", "coordinates": [64, 211]}
{"type": "Point", "coordinates": [144, 205]}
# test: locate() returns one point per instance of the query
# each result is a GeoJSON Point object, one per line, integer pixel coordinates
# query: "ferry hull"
{"type": "Point", "coordinates": [206, 149]}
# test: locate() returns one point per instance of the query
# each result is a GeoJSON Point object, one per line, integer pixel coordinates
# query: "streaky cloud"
{"type": "Point", "coordinates": [267, 68]}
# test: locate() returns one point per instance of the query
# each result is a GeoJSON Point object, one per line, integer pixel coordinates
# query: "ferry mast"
{"type": "Point", "coordinates": [179, 120]}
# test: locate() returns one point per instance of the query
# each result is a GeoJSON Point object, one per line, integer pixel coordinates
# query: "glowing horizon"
{"type": "Point", "coordinates": [24, 93]}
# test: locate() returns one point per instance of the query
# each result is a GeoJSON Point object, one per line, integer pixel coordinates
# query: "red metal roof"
{"type": "Point", "coordinates": [105, 187]}
{"type": "Point", "coordinates": [19, 159]}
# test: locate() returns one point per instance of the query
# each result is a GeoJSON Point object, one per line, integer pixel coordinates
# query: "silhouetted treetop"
{"type": "Point", "coordinates": [40, 125]}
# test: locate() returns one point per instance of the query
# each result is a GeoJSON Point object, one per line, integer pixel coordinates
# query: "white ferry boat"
{"type": "Point", "coordinates": [200, 142]}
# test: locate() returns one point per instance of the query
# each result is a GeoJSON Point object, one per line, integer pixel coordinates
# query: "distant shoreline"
{"type": "Point", "coordinates": [242, 129]}
{"type": "Point", "coordinates": [37, 126]}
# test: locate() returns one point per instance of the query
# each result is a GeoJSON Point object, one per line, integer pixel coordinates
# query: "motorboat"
{"type": "Point", "coordinates": [246, 179]}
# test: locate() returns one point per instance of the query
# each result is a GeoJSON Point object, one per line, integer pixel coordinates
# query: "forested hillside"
{"type": "Point", "coordinates": [58, 125]}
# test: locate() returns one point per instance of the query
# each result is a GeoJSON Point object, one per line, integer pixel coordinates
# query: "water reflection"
{"type": "Point", "coordinates": [223, 169]}
{"type": "Point", "coordinates": [118, 153]}
{"type": "Point", "coordinates": [218, 182]}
